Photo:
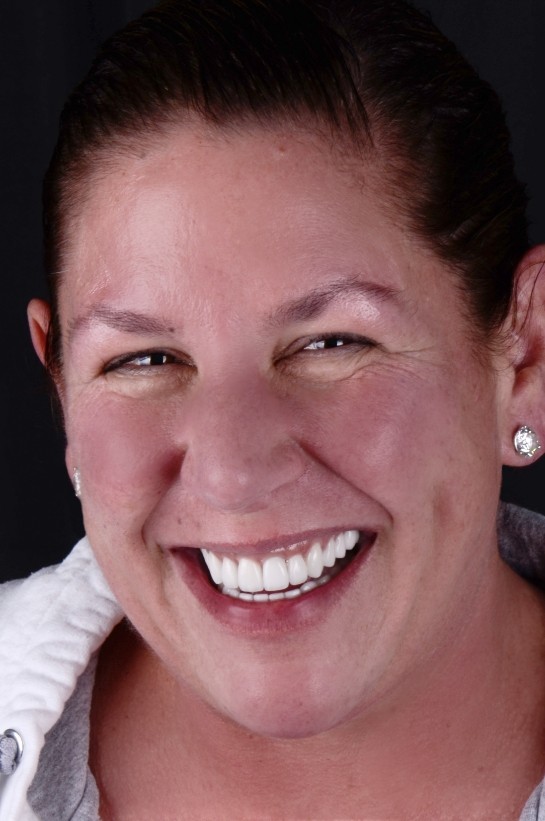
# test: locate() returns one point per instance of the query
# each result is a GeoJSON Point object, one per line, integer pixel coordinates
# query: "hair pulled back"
{"type": "Point", "coordinates": [375, 71]}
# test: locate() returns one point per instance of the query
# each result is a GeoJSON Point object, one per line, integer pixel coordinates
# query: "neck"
{"type": "Point", "coordinates": [463, 730]}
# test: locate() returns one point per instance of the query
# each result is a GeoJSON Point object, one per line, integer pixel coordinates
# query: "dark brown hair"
{"type": "Point", "coordinates": [375, 71]}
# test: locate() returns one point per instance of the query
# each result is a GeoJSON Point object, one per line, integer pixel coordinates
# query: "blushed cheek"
{"type": "Point", "coordinates": [125, 456]}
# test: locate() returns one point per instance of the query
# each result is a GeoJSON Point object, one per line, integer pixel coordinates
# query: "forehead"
{"type": "Point", "coordinates": [282, 207]}
{"type": "Point", "coordinates": [192, 166]}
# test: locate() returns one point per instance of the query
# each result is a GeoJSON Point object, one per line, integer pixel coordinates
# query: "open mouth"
{"type": "Point", "coordinates": [288, 575]}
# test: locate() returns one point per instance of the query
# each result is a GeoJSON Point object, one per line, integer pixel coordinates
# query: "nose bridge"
{"type": "Point", "coordinates": [238, 447]}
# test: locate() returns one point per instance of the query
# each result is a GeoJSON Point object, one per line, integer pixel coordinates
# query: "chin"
{"type": "Point", "coordinates": [282, 725]}
{"type": "Point", "coordinates": [285, 712]}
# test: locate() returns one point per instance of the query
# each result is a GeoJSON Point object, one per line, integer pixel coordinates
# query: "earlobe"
{"type": "Point", "coordinates": [525, 408]}
{"type": "Point", "coordinates": [39, 317]}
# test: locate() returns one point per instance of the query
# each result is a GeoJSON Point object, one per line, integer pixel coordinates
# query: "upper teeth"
{"type": "Point", "coordinates": [278, 572]}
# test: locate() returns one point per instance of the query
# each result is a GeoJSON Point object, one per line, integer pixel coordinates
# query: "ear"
{"type": "Point", "coordinates": [39, 317]}
{"type": "Point", "coordinates": [69, 462]}
{"type": "Point", "coordinates": [525, 404]}
{"type": "Point", "coordinates": [39, 320]}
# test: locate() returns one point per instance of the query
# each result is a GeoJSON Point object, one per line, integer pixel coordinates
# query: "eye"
{"type": "Point", "coordinates": [327, 357]}
{"type": "Point", "coordinates": [337, 341]}
{"type": "Point", "coordinates": [143, 361]}
{"type": "Point", "coordinates": [151, 360]}
{"type": "Point", "coordinates": [333, 341]}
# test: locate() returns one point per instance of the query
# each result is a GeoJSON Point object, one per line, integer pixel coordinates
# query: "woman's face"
{"type": "Point", "coordinates": [258, 357]}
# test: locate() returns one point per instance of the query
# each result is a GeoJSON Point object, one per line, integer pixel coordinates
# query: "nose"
{"type": "Point", "coordinates": [237, 447]}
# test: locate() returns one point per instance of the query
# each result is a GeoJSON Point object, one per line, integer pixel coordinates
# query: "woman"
{"type": "Point", "coordinates": [295, 331]}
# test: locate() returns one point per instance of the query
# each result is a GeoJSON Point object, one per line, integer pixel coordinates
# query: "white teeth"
{"type": "Point", "coordinates": [340, 546]}
{"type": "Point", "coordinates": [297, 568]}
{"type": "Point", "coordinates": [250, 576]}
{"type": "Point", "coordinates": [229, 572]}
{"type": "Point", "coordinates": [351, 538]}
{"type": "Point", "coordinates": [263, 580]}
{"type": "Point", "coordinates": [275, 574]}
{"type": "Point", "coordinates": [261, 597]}
{"type": "Point", "coordinates": [288, 594]}
{"type": "Point", "coordinates": [329, 552]}
{"type": "Point", "coordinates": [308, 586]}
{"type": "Point", "coordinates": [214, 565]}
{"type": "Point", "coordinates": [315, 561]}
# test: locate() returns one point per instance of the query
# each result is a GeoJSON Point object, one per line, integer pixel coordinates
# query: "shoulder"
{"type": "Point", "coordinates": [534, 809]}
{"type": "Point", "coordinates": [521, 536]}
{"type": "Point", "coordinates": [50, 626]}
{"type": "Point", "coordinates": [49, 600]}
{"type": "Point", "coordinates": [53, 621]}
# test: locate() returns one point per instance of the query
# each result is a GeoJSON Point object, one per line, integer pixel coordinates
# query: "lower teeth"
{"type": "Point", "coordinates": [309, 585]}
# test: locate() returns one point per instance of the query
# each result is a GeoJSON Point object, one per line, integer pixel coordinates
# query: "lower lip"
{"type": "Point", "coordinates": [255, 618]}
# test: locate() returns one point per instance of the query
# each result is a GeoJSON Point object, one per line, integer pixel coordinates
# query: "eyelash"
{"type": "Point", "coordinates": [347, 340]}
{"type": "Point", "coordinates": [130, 361]}
{"type": "Point", "coordinates": [323, 346]}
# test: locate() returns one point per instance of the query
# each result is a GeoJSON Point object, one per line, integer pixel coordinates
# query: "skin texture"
{"type": "Point", "coordinates": [248, 436]}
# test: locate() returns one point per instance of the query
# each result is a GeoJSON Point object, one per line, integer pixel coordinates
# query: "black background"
{"type": "Point", "coordinates": [46, 48]}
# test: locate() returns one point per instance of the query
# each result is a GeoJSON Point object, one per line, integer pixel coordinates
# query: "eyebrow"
{"type": "Point", "coordinates": [131, 322]}
{"type": "Point", "coordinates": [316, 301]}
{"type": "Point", "coordinates": [302, 309]}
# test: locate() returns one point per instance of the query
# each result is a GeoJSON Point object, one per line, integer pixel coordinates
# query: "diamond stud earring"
{"type": "Point", "coordinates": [525, 442]}
{"type": "Point", "coordinates": [76, 479]}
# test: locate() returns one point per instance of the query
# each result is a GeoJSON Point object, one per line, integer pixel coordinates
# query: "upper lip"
{"type": "Point", "coordinates": [273, 544]}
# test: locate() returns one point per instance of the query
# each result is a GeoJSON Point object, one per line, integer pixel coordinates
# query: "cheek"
{"type": "Point", "coordinates": [394, 432]}
{"type": "Point", "coordinates": [124, 453]}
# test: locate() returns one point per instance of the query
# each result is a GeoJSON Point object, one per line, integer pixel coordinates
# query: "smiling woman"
{"type": "Point", "coordinates": [294, 328]}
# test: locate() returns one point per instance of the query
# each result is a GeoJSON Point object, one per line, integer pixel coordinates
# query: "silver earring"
{"type": "Point", "coordinates": [76, 479]}
{"type": "Point", "coordinates": [525, 442]}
